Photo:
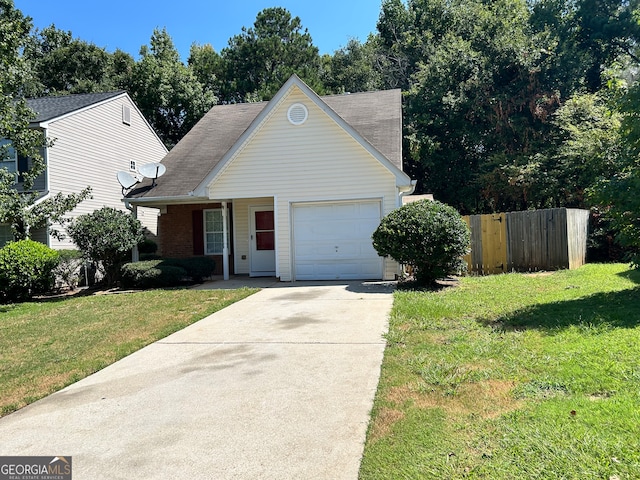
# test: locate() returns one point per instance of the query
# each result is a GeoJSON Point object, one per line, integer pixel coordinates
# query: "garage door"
{"type": "Point", "coordinates": [332, 241]}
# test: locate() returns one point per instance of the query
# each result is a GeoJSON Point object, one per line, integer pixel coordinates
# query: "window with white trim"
{"type": "Point", "coordinates": [214, 232]}
{"type": "Point", "coordinates": [5, 235]}
{"type": "Point", "coordinates": [8, 156]}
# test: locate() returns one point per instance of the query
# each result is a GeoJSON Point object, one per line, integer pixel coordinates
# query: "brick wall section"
{"type": "Point", "coordinates": [175, 233]}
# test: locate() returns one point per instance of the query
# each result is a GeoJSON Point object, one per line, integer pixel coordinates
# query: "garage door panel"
{"type": "Point", "coordinates": [333, 241]}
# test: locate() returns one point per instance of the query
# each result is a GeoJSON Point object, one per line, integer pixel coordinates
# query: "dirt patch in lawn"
{"type": "Point", "coordinates": [487, 399]}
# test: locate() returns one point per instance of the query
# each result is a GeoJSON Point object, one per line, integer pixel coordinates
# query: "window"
{"type": "Point", "coordinates": [132, 165]}
{"type": "Point", "coordinates": [5, 235]}
{"type": "Point", "coordinates": [8, 156]}
{"type": "Point", "coordinates": [213, 232]}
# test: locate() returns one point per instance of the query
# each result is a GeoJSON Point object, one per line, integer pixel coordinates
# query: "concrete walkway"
{"type": "Point", "coordinates": [277, 386]}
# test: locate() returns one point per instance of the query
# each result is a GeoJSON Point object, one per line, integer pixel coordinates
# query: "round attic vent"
{"type": "Point", "coordinates": [297, 114]}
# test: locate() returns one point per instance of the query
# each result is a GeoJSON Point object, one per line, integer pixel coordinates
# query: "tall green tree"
{"type": "Point", "coordinates": [167, 92]}
{"type": "Point", "coordinates": [584, 38]}
{"type": "Point", "coordinates": [617, 194]}
{"type": "Point", "coordinates": [353, 68]}
{"type": "Point", "coordinates": [259, 60]}
{"type": "Point", "coordinates": [473, 96]}
{"type": "Point", "coordinates": [21, 206]}
{"type": "Point", "coordinates": [63, 64]}
{"type": "Point", "coordinates": [206, 65]}
{"type": "Point", "coordinates": [482, 82]}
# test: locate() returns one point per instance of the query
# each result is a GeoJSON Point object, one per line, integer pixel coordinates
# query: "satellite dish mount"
{"type": "Point", "coordinates": [150, 170]}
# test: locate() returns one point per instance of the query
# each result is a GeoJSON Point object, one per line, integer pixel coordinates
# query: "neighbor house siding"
{"type": "Point", "coordinates": [316, 161]}
{"type": "Point", "coordinates": [90, 147]}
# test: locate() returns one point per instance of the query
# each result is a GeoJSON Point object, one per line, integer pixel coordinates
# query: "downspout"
{"type": "Point", "coordinates": [406, 190]}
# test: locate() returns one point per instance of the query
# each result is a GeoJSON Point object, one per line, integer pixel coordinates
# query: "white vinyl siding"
{"type": "Point", "coordinates": [90, 147]}
{"type": "Point", "coordinates": [315, 161]}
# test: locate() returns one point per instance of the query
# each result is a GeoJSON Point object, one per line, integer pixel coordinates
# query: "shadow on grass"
{"type": "Point", "coordinates": [413, 286]}
{"type": "Point", "coordinates": [632, 274]}
{"type": "Point", "coordinates": [610, 310]}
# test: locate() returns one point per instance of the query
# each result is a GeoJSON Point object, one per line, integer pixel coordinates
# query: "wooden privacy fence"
{"type": "Point", "coordinates": [533, 240]}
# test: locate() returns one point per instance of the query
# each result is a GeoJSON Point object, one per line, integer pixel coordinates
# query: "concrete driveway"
{"type": "Point", "coordinates": [277, 386]}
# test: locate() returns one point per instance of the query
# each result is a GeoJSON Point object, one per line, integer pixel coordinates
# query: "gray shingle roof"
{"type": "Point", "coordinates": [376, 116]}
{"type": "Point", "coordinates": [48, 108]}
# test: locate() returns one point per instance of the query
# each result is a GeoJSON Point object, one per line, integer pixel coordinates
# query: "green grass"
{"type": "Point", "coordinates": [47, 345]}
{"type": "Point", "coordinates": [512, 377]}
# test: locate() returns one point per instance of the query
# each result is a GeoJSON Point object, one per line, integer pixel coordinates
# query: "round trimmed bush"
{"type": "Point", "coordinates": [26, 269]}
{"type": "Point", "coordinates": [151, 274]}
{"type": "Point", "coordinates": [428, 235]}
{"type": "Point", "coordinates": [197, 268]}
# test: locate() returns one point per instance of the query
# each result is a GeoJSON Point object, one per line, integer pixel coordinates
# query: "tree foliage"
{"type": "Point", "coordinates": [22, 207]}
{"type": "Point", "coordinates": [617, 194]}
{"type": "Point", "coordinates": [427, 235]}
{"type": "Point", "coordinates": [106, 238]}
{"type": "Point", "coordinates": [166, 91]}
{"type": "Point", "coordinates": [258, 61]}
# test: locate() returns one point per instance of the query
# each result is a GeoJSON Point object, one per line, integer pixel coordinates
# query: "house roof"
{"type": "Point", "coordinates": [375, 116]}
{"type": "Point", "coordinates": [48, 108]}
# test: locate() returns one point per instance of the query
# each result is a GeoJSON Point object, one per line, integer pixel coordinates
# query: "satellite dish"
{"type": "Point", "coordinates": [126, 180]}
{"type": "Point", "coordinates": [153, 171]}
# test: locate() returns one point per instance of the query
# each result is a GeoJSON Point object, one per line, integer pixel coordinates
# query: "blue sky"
{"type": "Point", "coordinates": [128, 24]}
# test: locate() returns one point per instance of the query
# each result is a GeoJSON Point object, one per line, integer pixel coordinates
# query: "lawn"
{"type": "Point", "coordinates": [512, 376]}
{"type": "Point", "coordinates": [47, 345]}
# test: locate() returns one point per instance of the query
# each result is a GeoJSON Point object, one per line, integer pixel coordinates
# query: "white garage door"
{"type": "Point", "coordinates": [332, 241]}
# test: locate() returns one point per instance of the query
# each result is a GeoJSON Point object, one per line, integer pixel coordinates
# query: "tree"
{"type": "Point", "coordinates": [206, 65]}
{"type": "Point", "coordinates": [166, 91]}
{"type": "Point", "coordinates": [63, 64]}
{"type": "Point", "coordinates": [584, 146]}
{"type": "Point", "coordinates": [482, 81]}
{"type": "Point", "coordinates": [352, 68]}
{"type": "Point", "coordinates": [427, 235]}
{"type": "Point", "coordinates": [257, 62]}
{"type": "Point", "coordinates": [106, 237]}
{"type": "Point", "coordinates": [20, 205]}
{"type": "Point", "coordinates": [617, 195]}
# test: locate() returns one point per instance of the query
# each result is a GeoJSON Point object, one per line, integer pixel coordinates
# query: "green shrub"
{"type": "Point", "coordinates": [147, 247]}
{"type": "Point", "coordinates": [428, 235]}
{"type": "Point", "coordinates": [26, 269]}
{"type": "Point", "coordinates": [106, 238]}
{"type": "Point", "coordinates": [198, 268]}
{"type": "Point", "coordinates": [68, 270]}
{"type": "Point", "coordinates": [151, 274]}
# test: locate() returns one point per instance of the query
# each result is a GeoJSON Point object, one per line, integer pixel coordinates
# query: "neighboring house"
{"type": "Point", "coordinates": [291, 188]}
{"type": "Point", "coordinates": [95, 135]}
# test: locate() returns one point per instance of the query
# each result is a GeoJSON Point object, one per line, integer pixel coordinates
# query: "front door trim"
{"type": "Point", "coordinates": [262, 263]}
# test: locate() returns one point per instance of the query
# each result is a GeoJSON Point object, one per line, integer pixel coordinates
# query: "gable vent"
{"type": "Point", "coordinates": [297, 114]}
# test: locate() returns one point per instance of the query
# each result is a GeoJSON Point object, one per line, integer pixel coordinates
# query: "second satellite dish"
{"type": "Point", "coordinates": [153, 171]}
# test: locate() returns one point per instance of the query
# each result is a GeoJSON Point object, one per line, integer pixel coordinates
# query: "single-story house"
{"type": "Point", "coordinates": [291, 188]}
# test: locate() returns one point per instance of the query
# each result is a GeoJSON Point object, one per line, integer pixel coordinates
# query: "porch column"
{"type": "Point", "coordinates": [225, 244]}
{"type": "Point", "coordinates": [135, 254]}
